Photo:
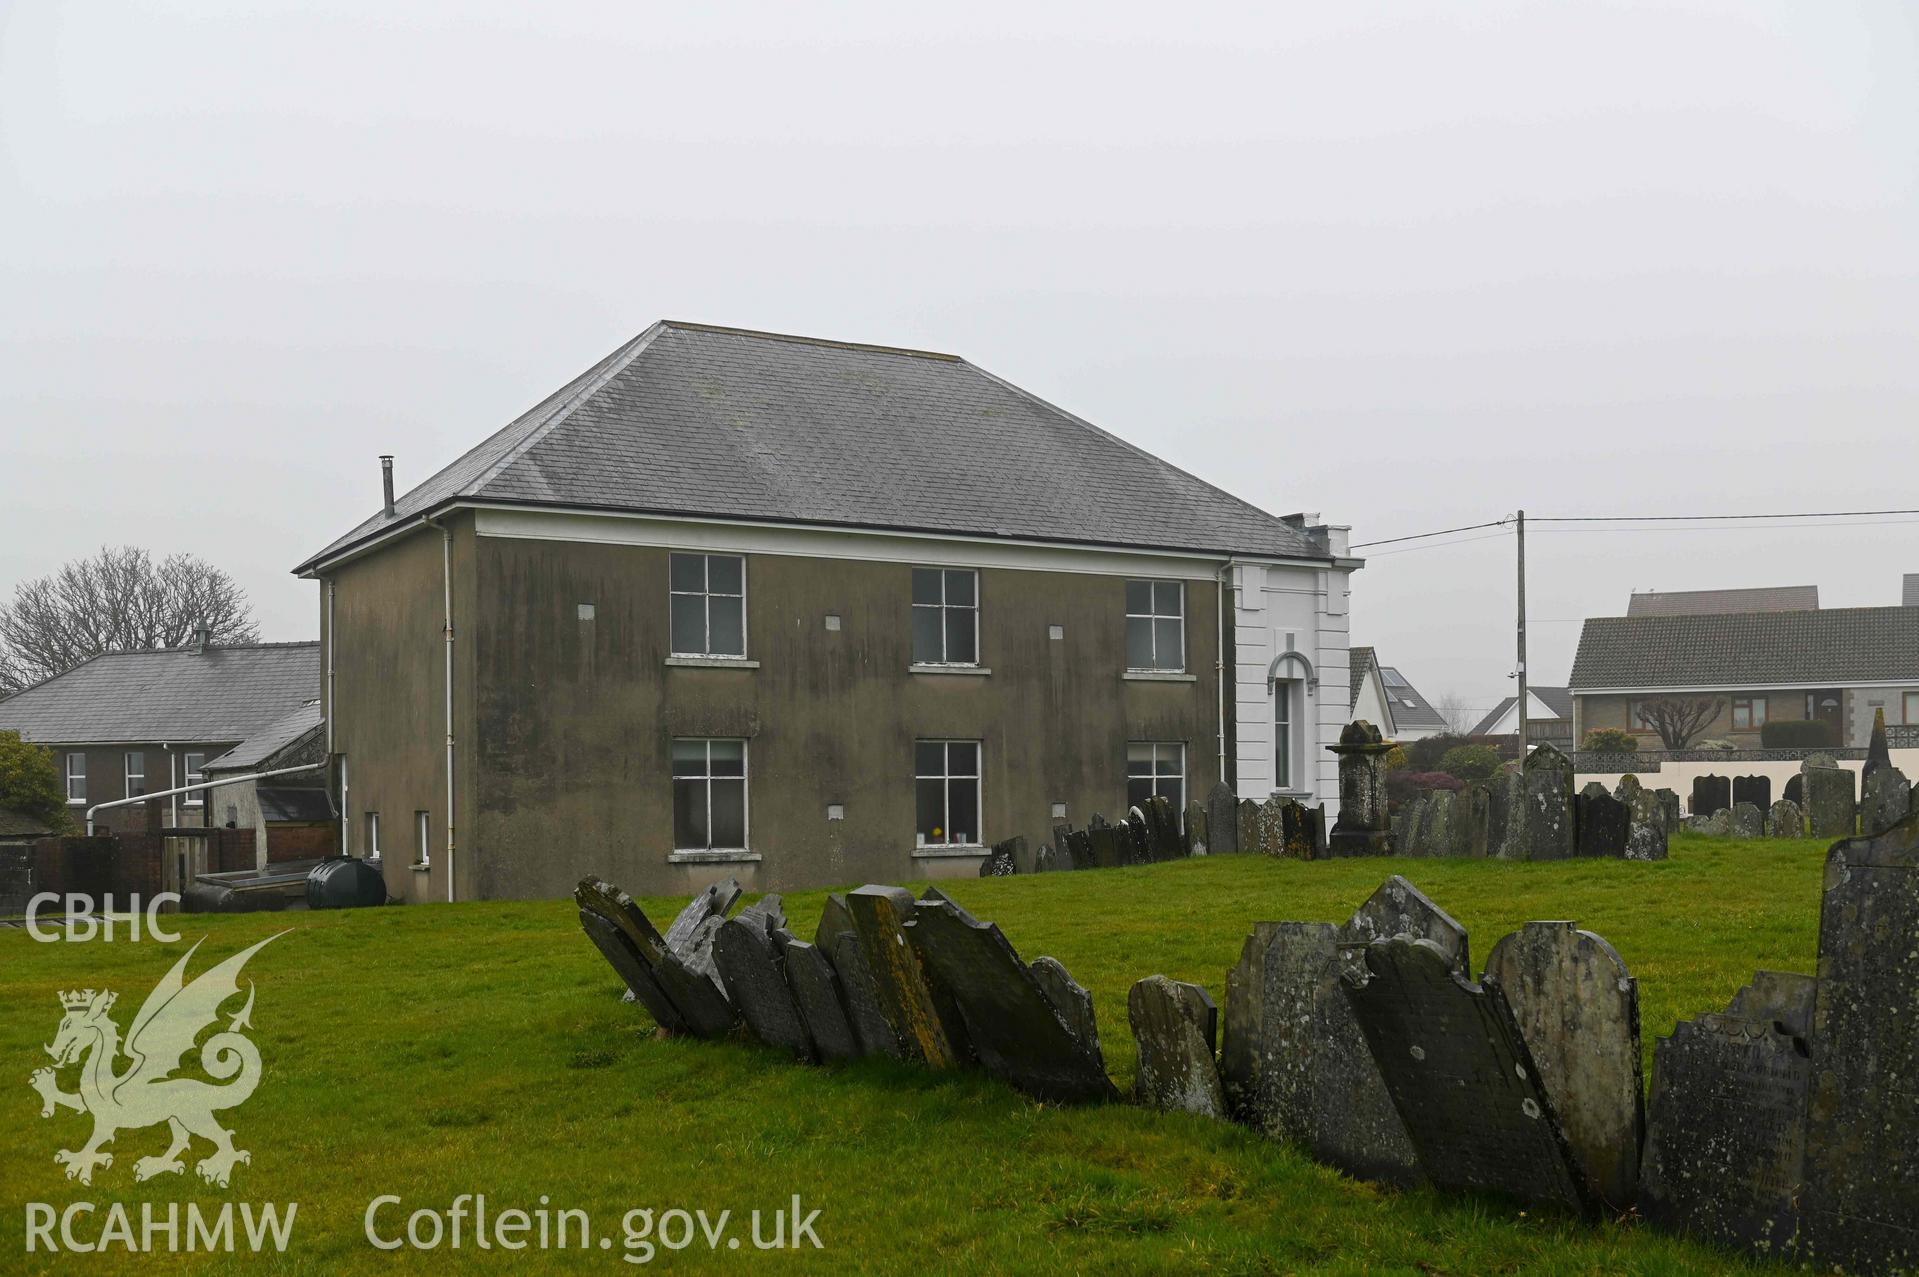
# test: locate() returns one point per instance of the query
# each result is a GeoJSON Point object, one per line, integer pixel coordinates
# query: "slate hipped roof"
{"type": "Point", "coordinates": [1767, 598]}
{"type": "Point", "coordinates": [180, 695]}
{"type": "Point", "coordinates": [693, 420]}
{"type": "Point", "coordinates": [1830, 647]}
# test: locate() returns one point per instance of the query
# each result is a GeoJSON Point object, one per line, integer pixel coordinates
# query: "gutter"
{"type": "Point", "coordinates": [446, 577]}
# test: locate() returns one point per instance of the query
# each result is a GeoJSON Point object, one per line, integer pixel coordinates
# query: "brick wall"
{"type": "Point", "coordinates": [302, 842]}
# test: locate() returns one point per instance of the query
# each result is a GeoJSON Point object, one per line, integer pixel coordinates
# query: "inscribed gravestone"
{"type": "Point", "coordinates": [1795, 791]}
{"type": "Point", "coordinates": [1578, 1010]}
{"type": "Point", "coordinates": [1709, 794]}
{"type": "Point", "coordinates": [862, 994]}
{"type": "Point", "coordinates": [1163, 839]}
{"type": "Point", "coordinates": [817, 993]}
{"type": "Point", "coordinates": [1198, 839]}
{"type": "Point", "coordinates": [1756, 790]}
{"type": "Point", "coordinates": [1436, 829]}
{"type": "Point", "coordinates": [1861, 1204]}
{"type": "Point", "coordinates": [1472, 821]}
{"type": "Point", "coordinates": [1784, 820]}
{"type": "Point", "coordinates": [1272, 827]}
{"type": "Point", "coordinates": [1011, 1022]}
{"type": "Point", "coordinates": [1222, 821]}
{"type": "Point", "coordinates": [620, 954]}
{"type": "Point", "coordinates": [1726, 1126]}
{"type": "Point", "coordinates": [1294, 1064]}
{"type": "Point", "coordinates": [1461, 1077]}
{"type": "Point", "coordinates": [1175, 1026]}
{"type": "Point", "coordinates": [921, 1025]}
{"type": "Point", "coordinates": [1398, 908]}
{"type": "Point", "coordinates": [1547, 821]}
{"type": "Point", "coordinates": [1072, 1002]}
{"type": "Point", "coordinates": [1829, 801]}
{"type": "Point", "coordinates": [1003, 860]}
{"type": "Point", "coordinates": [1884, 800]}
{"type": "Point", "coordinates": [753, 971]}
{"type": "Point", "coordinates": [1747, 821]}
{"type": "Point", "coordinates": [1604, 824]}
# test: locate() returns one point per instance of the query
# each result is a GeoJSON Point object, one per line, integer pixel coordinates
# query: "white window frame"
{"type": "Point", "coordinates": [80, 799]}
{"type": "Point", "coordinates": [1285, 757]}
{"type": "Point", "coordinates": [1152, 617]}
{"type": "Point", "coordinates": [134, 763]}
{"type": "Point", "coordinates": [943, 607]}
{"type": "Point", "coordinates": [946, 778]}
{"type": "Point", "coordinates": [746, 791]}
{"type": "Point", "coordinates": [1156, 775]}
{"type": "Point", "coordinates": [373, 835]}
{"type": "Point", "coordinates": [423, 837]}
{"type": "Point", "coordinates": [706, 594]}
{"type": "Point", "coordinates": [1909, 707]}
{"type": "Point", "coordinates": [194, 775]}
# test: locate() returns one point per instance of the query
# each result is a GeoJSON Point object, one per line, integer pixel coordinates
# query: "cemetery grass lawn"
{"type": "Point", "coordinates": [432, 1051]}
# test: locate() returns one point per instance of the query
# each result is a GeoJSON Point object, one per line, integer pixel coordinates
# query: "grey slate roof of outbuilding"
{"type": "Point", "coordinates": [180, 695]}
{"type": "Point", "coordinates": [15, 824]}
{"type": "Point", "coordinates": [1831, 647]}
{"type": "Point", "coordinates": [693, 420]}
{"type": "Point", "coordinates": [1765, 598]}
{"type": "Point", "coordinates": [263, 744]}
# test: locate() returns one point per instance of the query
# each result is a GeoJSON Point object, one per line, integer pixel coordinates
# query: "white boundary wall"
{"type": "Point", "coordinates": [1679, 776]}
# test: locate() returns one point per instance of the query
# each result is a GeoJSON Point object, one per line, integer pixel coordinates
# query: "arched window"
{"type": "Point", "coordinates": [1290, 677]}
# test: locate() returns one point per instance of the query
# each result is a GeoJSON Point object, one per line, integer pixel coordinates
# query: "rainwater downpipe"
{"type": "Point", "coordinates": [446, 577]}
{"type": "Point", "coordinates": [1219, 662]}
{"type": "Point", "coordinates": [332, 646]}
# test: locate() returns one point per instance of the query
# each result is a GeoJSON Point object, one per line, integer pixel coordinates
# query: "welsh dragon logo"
{"type": "Point", "coordinates": [145, 1092]}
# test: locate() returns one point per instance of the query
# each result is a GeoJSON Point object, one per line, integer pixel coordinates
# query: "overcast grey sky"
{"type": "Point", "coordinates": [1406, 265]}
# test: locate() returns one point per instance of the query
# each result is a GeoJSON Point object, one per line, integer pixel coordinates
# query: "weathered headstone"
{"type": "Point", "coordinates": [1669, 803]}
{"type": "Point", "coordinates": [1628, 789]}
{"type": "Point", "coordinates": [1829, 801]}
{"type": "Point", "coordinates": [1107, 847]}
{"type": "Point", "coordinates": [1299, 831]}
{"type": "Point", "coordinates": [1472, 821]}
{"type": "Point", "coordinates": [922, 1025]}
{"type": "Point", "coordinates": [753, 970]}
{"type": "Point", "coordinates": [822, 1003]}
{"type": "Point", "coordinates": [1011, 1021]}
{"type": "Point", "coordinates": [1135, 839]}
{"type": "Point", "coordinates": [1885, 800]}
{"type": "Point", "coordinates": [1795, 791]}
{"type": "Point", "coordinates": [690, 938]}
{"type": "Point", "coordinates": [1406, 825]}
{"type": "Point", "coordinates": [619, 951]}
{"type": "Point", "coordinates": [1748, 821]}
{"type": "Point", "coordinates": [1362, 828]}
{"type": "Point", "coordinates": [1397, 908]}
{"type": "Point", "coordinates": [1578, 1010]}
{"type": "Point", "coordinates": [1198, 837]}
{"type": "Point", "coordinates": [1272, 827]}
{"type": "Point", "coordinates": [1073, 1003]}
{"type": "Point", "coordinates": [1785, 820]}
{"type": "Point", "coordinates": [1710, 793]}
{"type": "Point", "coordinates": [1176, 1026]}
{"type": "Point", "coordinates": [1547, 822]}
{"type": "Point", "coordinates": [696, 996]}
{"type": "Point", "coordinates": [1248, 826]}
{"type": "Point", "coordinates": [1503, 793]}
{"type": "Point", "coordinates": [1878, 752]}
{"type": "Point", "coordinates": [1726, 1126]}
{"type": "Point", "coordinates": [1045, 860]}
{"type": "Point", "coordinates": [1294, 1064]}
{"type": "Point", "coordinates": [1604, 824]}
{"type": "Point", "coordinates": [1461, 1077]}
{"type": "Point", "coordinates": [1003, 860]}
{"type": "Point", "coordinates": [1861, 1202]}
{"type": "Point", "coordinates": [1222, 821]}
{"type": "Point", "coordinates": [1163, 840]}
{"type": "Point", "coordinates": [862, 994]}
{"type": "Point", "coordinates": [1754, 789]}
{"type": "Point", "coordinates": [1436, 830]}
{"type": "Point", "coordinates": [1646, 840]}
{"type": "Point", "coordinates": [1719, 824]}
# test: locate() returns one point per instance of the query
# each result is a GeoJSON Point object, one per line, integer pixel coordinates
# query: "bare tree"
{"type": "Point", "coordinates": [118, 600]}
{"type": "Point", "coordinates": [1679, 719]}
{"type": "Point", "coordinates": [1460, 717]}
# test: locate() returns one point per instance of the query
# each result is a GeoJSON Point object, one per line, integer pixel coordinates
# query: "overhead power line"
{"type": "Point", "coordinates": [1420, 536]}
{"type": "Point", "coordinates": [1686, 518]}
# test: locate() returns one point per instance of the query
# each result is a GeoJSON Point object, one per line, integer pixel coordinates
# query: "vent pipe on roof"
{"type": "Point", "coordinates": [202, 637]}
{"type": "Point", "coordinates": [386, 482]}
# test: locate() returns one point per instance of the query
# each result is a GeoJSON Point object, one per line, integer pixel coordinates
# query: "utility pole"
{"type": "Point", "coordinates": [1521, 521]}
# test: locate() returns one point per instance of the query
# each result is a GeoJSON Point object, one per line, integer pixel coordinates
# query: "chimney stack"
{"type": "Point", "coordinates": [386, 482]}
{"type": "Point", "coordinates": [202, 637]}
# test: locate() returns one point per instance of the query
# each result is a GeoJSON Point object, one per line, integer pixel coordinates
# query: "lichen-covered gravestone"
{"type": "Point", "coordinates": [1669, 803]}
{"type": "Point", "coordinates": [1472, 821]}
{"type": "Point", "coordinates": [1785, 820]}
{"type": "Point", "coordinates": [1829, 801]}
{"type": "Point", "coordinates": [1747, 821]}
{"type": "Point", "coordinates": [1546, 824]}
{"type": "Point", "coordinates": [754, 973]}
{"type": "Point", "coordinates": [925, 1027]}
{"type": "Point", "coordinates": [1884, 800]}
{"type": "Point", "coordinates": [695, 994]}
{"type": "Point", "coordinates": [1578, 1009]}
{"type": "Point", "coordinates": [817, 993]}
{"type": "Point", "coordinates": [1436, 829]}
{"type": "Point", "coordinates": [1462, 1078]}
{"type": "Point", "coordinates": [1398, 908]}
{"type": "Point", "coordinates": [1272, 827]}
{"type": "Point", "coordinates": [1646, 834]}
{"type": "Point", "coordinates": [1222, 821]}
{"type": "Point", "coordinates": [1362, 828]}
{"type": "Point", "coordinates": [1176, 1026]}
{"type": "Point", "coordinates": [1726, 1127]}
{"type": "Point", "coordinates": [1406, 825]}
{"type": "Point", "coordinates": [1198, 837]}
{"type": "Point", "coordinates": [1861, 1203]}
{"type": "Point", "coordinates": [1300, 835]}
{"type": "Point", "coordinates": [1628, 789]}
{"type": "Point", "coordinates": [1011, 1021]}
{"type": "Point", "coordinates": [1072, 1002]}
{"type": "Point", "coordinates": [1294, 1064]}
{"type": "Point", "coordinates": [1003, 860]}
{"type": "Point", "coordinates": [1604, 824]}
{"type": "Point", "coordinates": [1719, 824]}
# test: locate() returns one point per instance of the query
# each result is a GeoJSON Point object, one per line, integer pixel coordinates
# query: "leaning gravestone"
{"type": "Point", "coordinates": [1003, 860]}
{"type": "Point", "coordinates": [1861, 1203]}
{"type": "Point", "coordinates": [1362, 828]}
{"type": "Point", "coordinates": [1578, 1010]}
{"type": "Point", "coordinates": [1710, 793]}
{"type": "Point", "coordinates": [1726, 1127]}
{"type": "Point", "coordinates": [695, 995]}
{"type": "Point", "coordinates": [1176, 1026]}
{"type": "Point", "coordinates": [1885, 800]}
{"type": "Point", "coordinates": [1222, 821]}
{"type": "Point", "coordinates": [822, 1003]}
{"type": "Point", "coordinates": [1461, 1077]}
{"type": "Point", "coordinates": [1398, 908]}
{"type": "Point", "coordinates": [691, 935]}
{"type": "Point", "coordinates": [862, 995]}
{"type": "Point", "coordinates": [1747, 821]}
{"type": "Point", "coordinates": [1013, 1024]}
{"type": "Point", "coordinates": [1785, 820]}
{"type": "Point", "coordinates": [1547, 822]}
{"type": "Point", "coordinates": [754, 973]}
{"type": "Point", "coordinates": [1198, 841]}
{"type": "Point", "coordinates": [620, 954]}
{"type": "Point", "coordinates": [1294, 1064]}
{"type": "Point", "coordinates": [1603, 823]}
{"type": "Point", "coordinates": [1829, 801]}
{"type": "Point", "coordinates": [1073, 1004]}
{"type": "Point", "coordinates": [922, 1025]}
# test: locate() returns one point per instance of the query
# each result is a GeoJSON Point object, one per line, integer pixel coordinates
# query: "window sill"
{"type": "Point", "coordinates": [713, 662]}
{"type": "Point", "coordinates": [956, 851]}
{"type": "Point", "coordinates": [1298, 795]}
{"type": "Point", "coordinates": [714, 856]}
{"type": "Point", "coordinates": [1158, 676]}
{"type": "Point", "coordinates": [420, 867]}
{"type": "Point", "coordinates": [948, 669]}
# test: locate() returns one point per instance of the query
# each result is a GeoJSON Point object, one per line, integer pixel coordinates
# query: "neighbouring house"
{"type": "Point", "coordinates": [132, 723]}
{"type": "Point", "coordinates": [291, 815]}
{"type": "Point", "coordinates": [807, 612]}
{"type": "Point", "coordinates": [1836, 665]}
{"type": "Point", "coordinates": [1385, 698]}
{"type": "Point", "coordinates": [1549, 718]}
{"type": "Point", "coordinates": [1765, 598]}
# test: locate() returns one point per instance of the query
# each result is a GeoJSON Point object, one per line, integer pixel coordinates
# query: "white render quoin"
{"type": "Point", "coordinates": [1291, 625]}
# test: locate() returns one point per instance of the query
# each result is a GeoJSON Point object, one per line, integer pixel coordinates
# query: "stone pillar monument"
{"type": "Point", "coordinates": [1362, 828]}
